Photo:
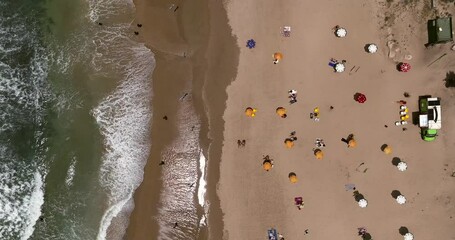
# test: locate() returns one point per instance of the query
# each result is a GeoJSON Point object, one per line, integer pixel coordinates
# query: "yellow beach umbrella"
{"type": "Point", "coordinates": [352, 143]}
{"type": "Point", "coordinates": [267, 165]}
{"type": "Point", "coordinates": [316, 110]}
{"type": "Point", "coordinates": [250, 112]}
{"type": "Point", "coordinates": [319, 154]}
{"type": "Point", "coordinates": [293, 177]}
{"type": "Point", "coordinates": [278, 56]}
{"type": "Point", "coordinates": [387, 149]}
{"type": "Point", "coordinates": [281, 111]}
{"type": "Point", "coordinates": [289, 143]}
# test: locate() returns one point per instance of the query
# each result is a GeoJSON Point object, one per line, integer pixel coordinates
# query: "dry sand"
{"type": "Point", "coordinates": [253, 200]}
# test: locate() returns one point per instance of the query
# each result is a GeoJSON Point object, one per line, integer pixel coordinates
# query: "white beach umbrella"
{"type": "Point", "coordinates": [401, 199]}
{"type": "Point", "coordinates": [408, 236]}
{"type": "Point", "coordinates": [363, 203]}
{"type": "Point", "coordinates": [402, 166]}
{"type": "Point", "coordinates": [339, 67]}
{"type": "Point", "coordinates": [372, 48]}
{"type": "Point", "coordinates": [341, 32]}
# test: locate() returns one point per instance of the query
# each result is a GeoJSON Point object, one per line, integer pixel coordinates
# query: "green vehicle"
{"type": "Point", "coordinates": [429, 117]}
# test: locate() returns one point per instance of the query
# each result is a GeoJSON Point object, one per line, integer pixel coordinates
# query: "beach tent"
{"type": "Point", "coordinates": [387, 149]}
{"type": "Point", "coordinates": [250, 112]}
{"type": "Point", "coordinates": [372, 48]}
{"type": "Point", "coordinates": [339, 67]}
{"type": "Point", "coordinates": [319, 154]}
{"type": "Point", "coordinates": [408, 236]}
{"type": "Point", "coordinates": [267, 165]}
{"type": "Point", "coordinates": [401, 199]}
{"type": "Point", "coordinates": [402, 166]}
{"type": "Point", "coordinates": [439, 30]}
{"type": "Point", "coordinates": [281, 111]}
{"type": "Point", "coordinates": [293, 177]}
{"type": "Point", "coordinates": [341, 32]}
{"type": "Point", "coordinates": [352, 143]}
{"type": "Point", "coordinates": [289, 143]}
{"type": "Point", "coordinates": [363, 203]}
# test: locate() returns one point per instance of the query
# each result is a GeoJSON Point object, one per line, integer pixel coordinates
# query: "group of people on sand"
{"type": "Point", "coordinates": [292, 96]}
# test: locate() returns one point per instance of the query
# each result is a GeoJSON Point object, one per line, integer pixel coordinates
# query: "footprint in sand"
{"type": "Point", "coordinates": [393, 48]}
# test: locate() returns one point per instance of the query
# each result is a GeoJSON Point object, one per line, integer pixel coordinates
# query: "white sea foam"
{"type": "Point", "coordinates": [34, 206]}
{"type": "Point", "coordinates": [202, 186]}
{"type": "Point", "coordinates": [23, 95]}
{"type": "Point", "coordinates": [124, 119]}
{"type": "Point", "coordinates": [70, 173]}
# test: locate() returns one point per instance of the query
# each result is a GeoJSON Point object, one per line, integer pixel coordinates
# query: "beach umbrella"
{"type": "Point", "coordinates": [408, 236]}
{"type": "Point", "coordinates": [267, 165]}
{"type": "Point", "coordinates": [341, 32]}
{"type": "Point", "coordinates": [289, 143]}
{"type": "Point", "coordinates": [293, 177]}
{"type": "Point", "coordinates": [251, 44]}
{"type": "Point", "coordinates": [387, 150]}
{"type": "Point", "coordinates": [352, 143]}
{"type": "Point", "coordinates": [360, 98]}
{"type": "Point", "coordinates": [250, 112]}
{"type": "Point", "coordinates": [319, 154]}
{"type": "Point", "coordinates": [404, 67]}
{"type": "Point", "coordinates": [281, 111]}
{"type": "Point", "coordinates": [401, 199]}
{"type": "Point", "coordinates": [339, 67]}
{"type": "Point", "coordinates": [363, 203]}
{"type": "Point", "coordinates": [277, 57]}
{"type": "Point", "coordinates": [372, 48]}
{"type": "Point", "coordinates": [402, 166]}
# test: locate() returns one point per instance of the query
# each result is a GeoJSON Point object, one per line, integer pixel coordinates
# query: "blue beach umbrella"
{"type": "Point", "coordinates": [251, 44]}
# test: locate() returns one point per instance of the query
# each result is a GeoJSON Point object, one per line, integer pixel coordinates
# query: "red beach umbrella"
{"type": "Point", "coordinates": [404, 67]}
{"type": "Point", "coordinates": [360, 98]}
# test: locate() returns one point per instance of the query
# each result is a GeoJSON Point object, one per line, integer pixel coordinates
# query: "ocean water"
{"type": "Point", "coordinates": [75, 116]}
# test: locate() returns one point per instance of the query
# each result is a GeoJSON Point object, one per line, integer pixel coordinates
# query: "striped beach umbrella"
{"type": "Point", "coordinates": [408, 236]}
{"type": "Point", "coordinates": [341, 32]}
{"type": "Point", "coordinates": [401, 200]}
{"type": "Point", "coordinates": [363, 203]}
{"type": "Point", "coordinates": [402, 166]}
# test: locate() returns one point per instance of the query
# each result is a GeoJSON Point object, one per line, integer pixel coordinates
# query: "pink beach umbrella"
{"type": "Point", "coordinates": [360, 97]}
{"type": "Point", "coordinates": [404, 67]}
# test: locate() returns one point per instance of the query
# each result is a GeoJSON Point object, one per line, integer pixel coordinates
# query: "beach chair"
{"type": "Point", "coordinates": [286, 31]}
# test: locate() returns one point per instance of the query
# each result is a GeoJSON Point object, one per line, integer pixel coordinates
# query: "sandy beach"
{"type": "Point", "coordinates": [253, 200]}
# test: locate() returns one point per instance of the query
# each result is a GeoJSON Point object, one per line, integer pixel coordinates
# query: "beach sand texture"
{"type": "Point", "coordinates": [254, 200]}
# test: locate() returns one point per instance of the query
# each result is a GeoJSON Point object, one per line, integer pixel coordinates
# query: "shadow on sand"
{"type": "Point", "coordinates": [395, 161]}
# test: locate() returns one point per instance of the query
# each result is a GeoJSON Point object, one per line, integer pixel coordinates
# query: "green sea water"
{"type": "Point", "coordinates": [70, 154]}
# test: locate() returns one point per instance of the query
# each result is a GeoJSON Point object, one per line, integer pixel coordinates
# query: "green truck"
{"type": "Point", "coordinates": [429, 117]}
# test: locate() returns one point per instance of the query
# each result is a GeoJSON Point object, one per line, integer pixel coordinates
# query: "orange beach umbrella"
{"type": "Point", "coordinates": [318, 154]}
{"type": "Point", "coordinates": [277, 56]}
{"type": "Point", "coordinates": [289, 143]}
{"type": "Point", "coordinates": [267, 165]}
{"type": "Point", "coordinates": [281, 111]}
{"type": "Point", "coordinates": [293, 177]}
{"type": "Point", "coordinates": [250, 112]}
{"type": "Point", "coordinates": [387, 149]}
{"type": "Point", "coordinates": [352, 143]}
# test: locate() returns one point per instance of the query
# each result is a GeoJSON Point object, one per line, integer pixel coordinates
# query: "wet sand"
{"type": "Point", "coordinates": [188, 51]}
{"type": "Point", "coordinates": [253, 200]}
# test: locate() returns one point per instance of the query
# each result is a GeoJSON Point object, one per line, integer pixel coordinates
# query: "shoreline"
{"type": "Point", "coordinates": [185, 45]}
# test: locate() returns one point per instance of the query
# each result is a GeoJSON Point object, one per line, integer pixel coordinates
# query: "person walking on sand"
{"type": "Point", "coordinates": [239, 143]}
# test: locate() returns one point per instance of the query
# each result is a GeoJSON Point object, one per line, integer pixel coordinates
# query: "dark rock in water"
{"type": "Point", "coordinates": [139, 25]}
{"type": "Point", "coordinates": [136, 33]}
{"type": "Point", "coordinates": [101, 24]}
